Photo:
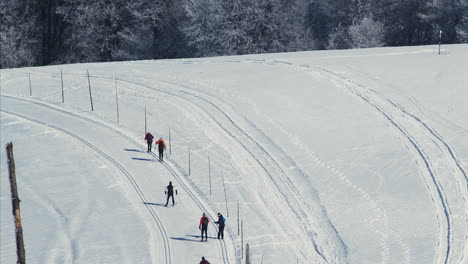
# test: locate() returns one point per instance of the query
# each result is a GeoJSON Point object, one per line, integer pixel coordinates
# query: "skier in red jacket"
{"type": "Point", "coordinates": [161, 147]}
{"type": "Point", "coordinates": [204, 261]}
{"type": "Point", "coordinates": [149, 140]}
{"type": "Point", "coordinates": [204, 226]}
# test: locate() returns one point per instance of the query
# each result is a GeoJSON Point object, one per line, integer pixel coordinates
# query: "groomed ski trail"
{"type": "Point", "coordinates": [168, 257]}
{"type": "Point", "coordinates": [419, 135]}
{"type": "Point", "coordinates": [324, 241]}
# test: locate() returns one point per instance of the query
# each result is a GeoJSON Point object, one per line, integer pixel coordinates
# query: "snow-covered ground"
{"type": "Point", "coordinates": [357, 156]}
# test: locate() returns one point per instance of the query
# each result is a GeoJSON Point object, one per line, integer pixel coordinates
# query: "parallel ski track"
{"type": "Point", "coordinates": [426, 159]}
{"type": "Point", "coordinates": [176, 175]}
{"type": "Point", "coordinates": [141, 195]}
{"type": "Point", "coordinates": [293, 192]}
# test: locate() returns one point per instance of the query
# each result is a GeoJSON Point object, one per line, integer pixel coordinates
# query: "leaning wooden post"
{"type": "Point", "coordinates": [30, 88]}
{"type": "Point", "coordinates": [117, 99]}
{"type": "Point", "coordinates": [90, 94]}
{"type": "Point", "coordinates": [225, 195]}
{"type": "Point", "coordinates": [16, 205]}
{"type": "Point", "coordinates": [61, 78]}
{"type": "Point", "coordinates": [209, 172]}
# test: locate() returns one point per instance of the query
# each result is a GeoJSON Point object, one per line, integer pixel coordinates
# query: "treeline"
{"type": "Point", "coordinates": [42, 32]}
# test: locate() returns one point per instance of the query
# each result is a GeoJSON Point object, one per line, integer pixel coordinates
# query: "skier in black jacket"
{"type": "Point", "coordinates": [170, 193]}
{"type": "Point", "coordinates": [221, 221]}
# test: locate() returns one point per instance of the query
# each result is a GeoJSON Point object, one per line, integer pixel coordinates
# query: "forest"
{"type": "Point", "coordinates": [45, 32]}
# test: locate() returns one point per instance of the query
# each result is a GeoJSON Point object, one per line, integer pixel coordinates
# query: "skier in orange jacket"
{"type": "Point", "coordinates": [161, 147]}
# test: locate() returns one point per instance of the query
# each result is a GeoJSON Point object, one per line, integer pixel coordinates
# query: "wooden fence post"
{"type": "Point", "coordinates": [170, 148]}
{"type": "Point", "coordinates": [30, 88]}
{"type": "Point", "coordinates": [117, 99]}
{"type": "Point", "coordinates": [238, 221]}
{"type": "Point", "coordinates": [189, 161]}
{"type": "Point", "coordinates": [247, 254]}
{"type": "Point", "coordinates": [225, 195]}
{"type": "Point", "coordinates": [242, 240]}
{"type": "Point", "coordinates": [90, 94]}
{"type": "Point", "coordinates": [61, 78]}
{"type": "Point", "coordinates": [16, 205]}
{"type": "Point", "coordinates": [209, 172]}
{"type": "Point", "coordinates": [145, 121]}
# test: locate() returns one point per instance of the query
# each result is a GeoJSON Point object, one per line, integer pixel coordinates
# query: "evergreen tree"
{"type": "Point", "coordinates": [20, 34]}
{"type": "Point", "coordinates": [108, 30]}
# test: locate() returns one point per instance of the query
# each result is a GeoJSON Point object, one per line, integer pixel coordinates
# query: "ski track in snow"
{"type": "Point", "coordinates": [402, 120]}
{"type": "Point", "coordinates": [109, 159]}
{"type": "Point", "coordinates": [412, 130]}
{"type": "Point", "coordinates": [140, 193]}
{"type": "Point", "coordinates": [295, 203]}
{"type": "Point", "coordinates": [269, 165]}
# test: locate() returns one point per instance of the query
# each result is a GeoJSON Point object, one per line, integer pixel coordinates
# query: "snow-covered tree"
{"type": "Point", "coordinates": [339, 38]}
{"type": "Point", "coordinates": [448, 16]}
{"type": "Point", "coordinates": [20, 38]}
{"type": "Point", "coordinates": [367, 33]}
{"type": "Point", "coordinates": [108, 30]}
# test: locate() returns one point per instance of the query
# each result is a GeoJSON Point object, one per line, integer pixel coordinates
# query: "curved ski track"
{"type": "Point", "coordinates": [167, 249]}
{"type": "Point", "coordinates": [381, 103]}
{"type": "Point", "coordinates": [227, 124]}
{"type": "Point", "coordinates": [387, 108]}
{"type": "Point", "coordinates": [117, 165]}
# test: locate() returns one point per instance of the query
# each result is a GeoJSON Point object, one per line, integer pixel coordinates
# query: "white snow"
{"type": "Point", "coordinates": [356, 156]}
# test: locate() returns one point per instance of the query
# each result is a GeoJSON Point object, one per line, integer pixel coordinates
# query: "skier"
{"type": "Point", "coordinates": [170, 193]}
{"type": "Point", "coordinates": [149, 140]}
{"type": "Point", "coordinates": [204, 226]}
{"type": "Point", "coordinates": [204, 261]}
{"type": "Point", "coordinates": [161, 147]}
{"type": "Point", "coordinates": [221, 221]}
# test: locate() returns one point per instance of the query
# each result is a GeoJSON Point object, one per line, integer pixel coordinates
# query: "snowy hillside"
{"type": "Point", "coordinates": [357, 156]}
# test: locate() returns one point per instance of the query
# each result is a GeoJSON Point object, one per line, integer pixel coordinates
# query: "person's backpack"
{"type": "Point", "coordinates": [205, 220]}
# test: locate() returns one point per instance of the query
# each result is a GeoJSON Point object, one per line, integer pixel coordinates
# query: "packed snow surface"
{"type": "Point", "coordinates": [356, 156]}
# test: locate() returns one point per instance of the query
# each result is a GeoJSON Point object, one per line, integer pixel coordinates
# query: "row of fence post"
{"type": "Point", "coordinates": [239, 221]}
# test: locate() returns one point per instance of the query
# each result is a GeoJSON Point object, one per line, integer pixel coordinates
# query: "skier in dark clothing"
{"type": "Point", "coordinates": [221, 221]}
{"type": "Point", "coordinates": [149, 140]}
{"type": "Point", "coordinates": [204, 226]}
{"type": "Point", "coordinates": [204, 261]}
{"type": "Point", "coordinates": [161, 147]}
{"type": "Point", "coordinates": [170, 193]}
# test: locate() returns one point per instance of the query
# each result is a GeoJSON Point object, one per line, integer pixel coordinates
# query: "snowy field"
{"type": "Point", "coordinates": [357, 156]}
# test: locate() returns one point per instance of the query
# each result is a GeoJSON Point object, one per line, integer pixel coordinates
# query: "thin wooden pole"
{"type": "Point", "coordinates": [242, 240]}
{"type": "Point", "coordinates": [16, 206]}
{"type": "Point", "coordinates": [238, 219]}
{"type": "Point", "coordinates": [209, 172]}
{"type": "Point", "coordinates": [117, 100]}
{"type": "Point", "coordinates": [247, 254]}
{"type": "Point", "coordinates": [90, 94]}
{"type": "Point", "coordinates": [30, 88]}
{"type": "Point", "coordinates": [145, 121]}
{"type": "Point", "coordinates": [170, 148]}
{"type": "Point", "coordinates": [189, 161]}
{"type": "Point", "coordinates": [440, 39]}
{"type": "Point", "coordinates": [61, 78]}
{"type": "Point", "coordinates": [225, 195]}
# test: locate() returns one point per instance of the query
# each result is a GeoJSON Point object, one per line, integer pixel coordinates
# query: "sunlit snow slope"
{"type": "Point", "coordinates": [356, 156]}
